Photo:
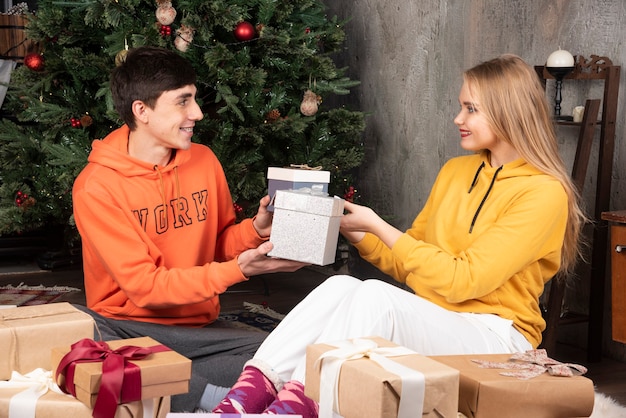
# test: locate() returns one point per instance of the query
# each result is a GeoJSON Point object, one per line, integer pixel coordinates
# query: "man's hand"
{"type": "Point", "coordinates": [256, 261]}
{"type": "Point", "coordinates": [263, 220]}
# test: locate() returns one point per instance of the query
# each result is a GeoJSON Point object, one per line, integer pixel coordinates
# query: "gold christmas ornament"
{"type": "Point", "coordinates": [184, 37]}
{"type": "Point", "coordinates": [120, 57]}
{"type": "Point", "coordinates": [310, 103]}
{"type": "Point", "coordinates": [165, 13]}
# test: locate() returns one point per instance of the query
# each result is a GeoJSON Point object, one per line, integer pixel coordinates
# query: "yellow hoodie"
{"type": "Point", "coordinates": [486, 241]}
{"type": "Point", "coordinates": [159, 243]}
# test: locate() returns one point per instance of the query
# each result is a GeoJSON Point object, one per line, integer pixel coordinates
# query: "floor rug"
{"type": "Point", "coordinates": [606, 407]}
{"type": "Point", "coordinates": [23, 295]}
{"type": "Point", "coordinates": [253, 317]}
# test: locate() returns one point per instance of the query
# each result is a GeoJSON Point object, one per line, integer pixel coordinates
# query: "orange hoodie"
{"type": "Point", "coordinates": [159, 243]}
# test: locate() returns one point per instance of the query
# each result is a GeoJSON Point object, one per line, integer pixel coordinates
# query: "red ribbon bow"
{"type": "Point", "coordinates": [121, 379]}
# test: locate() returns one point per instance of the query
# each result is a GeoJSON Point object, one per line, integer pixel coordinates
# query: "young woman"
{"type": "Point", "coordinates": [498, 224]}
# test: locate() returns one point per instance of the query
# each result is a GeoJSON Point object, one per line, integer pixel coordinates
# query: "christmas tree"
{"type": "Point", "coordinates": [266, 78]}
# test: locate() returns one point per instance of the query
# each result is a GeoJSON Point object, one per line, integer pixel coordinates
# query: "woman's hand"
{"type": "Point", "coordinates": [360, 220]}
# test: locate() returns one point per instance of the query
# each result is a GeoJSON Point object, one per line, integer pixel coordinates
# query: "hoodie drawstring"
{"type": "Point", "coordinates": [484, 199]}
{"type": "Point", "coordinates": [482, 165]}
{"type": "Point", "coordinates": [162, 184]}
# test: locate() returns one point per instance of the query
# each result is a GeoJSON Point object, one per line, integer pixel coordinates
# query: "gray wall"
{"type": "Point", "coordinates": [409, 56]}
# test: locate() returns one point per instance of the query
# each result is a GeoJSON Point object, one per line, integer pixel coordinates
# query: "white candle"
{"type": "Point", "coordinates": [560, 58]}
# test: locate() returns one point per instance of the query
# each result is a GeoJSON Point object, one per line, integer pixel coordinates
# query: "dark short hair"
{"type": "Point", "coordinates": [144, 75]}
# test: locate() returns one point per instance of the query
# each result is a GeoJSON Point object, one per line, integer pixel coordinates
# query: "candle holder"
{"type": "Point", "coordinates": [559, 73]}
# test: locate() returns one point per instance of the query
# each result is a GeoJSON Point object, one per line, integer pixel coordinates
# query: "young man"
{"type": "Point", "coordinates": [156, 218]}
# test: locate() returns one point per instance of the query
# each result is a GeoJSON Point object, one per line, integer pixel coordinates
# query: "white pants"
{"type": "Point", "coordinates": [345, 307]}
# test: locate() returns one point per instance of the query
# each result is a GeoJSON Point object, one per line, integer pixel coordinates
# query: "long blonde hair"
{"type": "Point", "coordinates": [514, 102]}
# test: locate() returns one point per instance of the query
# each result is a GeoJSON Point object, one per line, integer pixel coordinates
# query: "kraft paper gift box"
{"type": "Point", "coordinates": [485, 393]}
{"type": "Point", "coordinates": [28, 334]}
{"type": "Point", "coordinates": [279, 178]}
{"type": "Point", "coordinates": [163, 373]}
{"type": "Point", "coordinates": [367, 389]}
{"type": "Point", "coordinates": [41, 398]}
{"type": "Point", "coordinates": [306, 226]}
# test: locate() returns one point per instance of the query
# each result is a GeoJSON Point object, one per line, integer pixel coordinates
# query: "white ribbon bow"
{"type": "Point", "coordinates": [413, 381]}
{"type": "Point", "coordinates": [36, 384]}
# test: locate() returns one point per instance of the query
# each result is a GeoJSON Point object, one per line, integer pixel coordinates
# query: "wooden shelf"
{"type": "Point", "coordinates": [601, 69]}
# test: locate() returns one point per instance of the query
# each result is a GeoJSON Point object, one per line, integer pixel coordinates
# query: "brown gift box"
{"type": "Point", "coordinates": [28, 333]}
{"type": "Point", "coordinates": [162, 374]}
{"type": "Point", "coordinates": [485, 393]}
{"type": "Point", "coordinates": [55, 405]}
{"type": "Point", "coordinates": [368, 390]}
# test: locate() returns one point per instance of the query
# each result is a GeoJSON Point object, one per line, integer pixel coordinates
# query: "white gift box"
{"type": "Point", "coordinates": [295, 178]}
{"type": "Point", "coordinates": [212, 415]}
{"type": "Point", "coordinates": [306, 226]}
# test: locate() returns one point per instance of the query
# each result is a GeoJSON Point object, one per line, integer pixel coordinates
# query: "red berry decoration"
{"type": "Point", "coordinates": [20, 198]}
{"type": "Point", "coordinates": [34, 61]}
{"type": "Point", "coordinates": [349, 195]}
{"type": "Point", "coordinates": [165, 31]}
{"type": "Point", "coordinates": [244, 31]}
{"type": "Point", "coordinates": [238, 209]}
{"type": "Point", "coordinates": [76, 123]}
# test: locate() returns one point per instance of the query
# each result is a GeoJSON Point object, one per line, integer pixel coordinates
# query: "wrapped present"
{"type": "Point", "coordinates": [493, 385]}
{"type": "Point", "coordinates": [372, 377]}
{"type": "Point", "coordinates": [296, 177]}
{"type": "Point", "coordinates": [306, 226]}
{"type": "Point", "coordinates": [229, 415]}
{"type": "Point", "coordinates": [35, 395]}
{"type": "Point", "coordinates": [28, 334]}
{"type": "Point", "coordinates": [105, 374]}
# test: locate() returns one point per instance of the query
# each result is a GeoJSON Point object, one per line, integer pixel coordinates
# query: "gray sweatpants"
{"type": "Point", "coordinates": [218, 353]}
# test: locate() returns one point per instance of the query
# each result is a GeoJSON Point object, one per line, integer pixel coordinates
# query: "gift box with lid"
{"type": "Point", "coordinates": [373, 377]}
{"type": "Point", "coordinates": [228, 415]}
{"type": "Point", "coordinates": [296, 177]}
{"type": "Point", "coordinates": [306, 226]}
{"type": "Point", "coordinates": [28, 334]}
{"type": "Point", "coordinates": [488, 389]}
{"type": "Point", "coordinates": [132, 369]}
{"type": "Point", "coordinates": [35, 395]}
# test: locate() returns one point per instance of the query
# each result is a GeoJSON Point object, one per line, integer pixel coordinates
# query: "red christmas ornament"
{"type": "Point", "coordinates": [34, 61]}
{"type": "Point", "coordinates": [75, 122]}
{"type": "Point", "coordinates": [244, 31]}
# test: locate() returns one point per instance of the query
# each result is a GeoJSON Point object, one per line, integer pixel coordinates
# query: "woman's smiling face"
{"type": "Point", "coordinates": [476, 133]}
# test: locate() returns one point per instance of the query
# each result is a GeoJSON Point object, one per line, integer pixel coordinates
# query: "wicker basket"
{"type": "Point", "coordinates": [13, 42]}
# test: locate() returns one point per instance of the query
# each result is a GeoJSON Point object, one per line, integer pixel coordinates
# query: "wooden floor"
{"type": "Point", "coordinates": [282, 292]}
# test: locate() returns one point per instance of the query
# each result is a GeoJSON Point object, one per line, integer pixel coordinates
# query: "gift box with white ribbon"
{"type": "Point", "coordinates": [36, 395]}
{"type": "Point", "coordinates": [296, 177]}
{"type": "Point", "coordinates": [372, 377]}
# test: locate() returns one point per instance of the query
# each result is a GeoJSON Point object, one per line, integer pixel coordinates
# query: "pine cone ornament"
{"type": "Point", "coordinates": [309, 104]}
{"type": "Point", "coordinates": [273, 115]}
{"type": "Point", "coordinates": [165, 13]}
{"type": "Point", "coordinates": [86, 121]}
{"type": "Point", "coordinates": [184, 37]}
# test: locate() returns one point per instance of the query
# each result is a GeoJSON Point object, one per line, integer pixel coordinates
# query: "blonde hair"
{"type": "Point", "coordinates": [514, 103]}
